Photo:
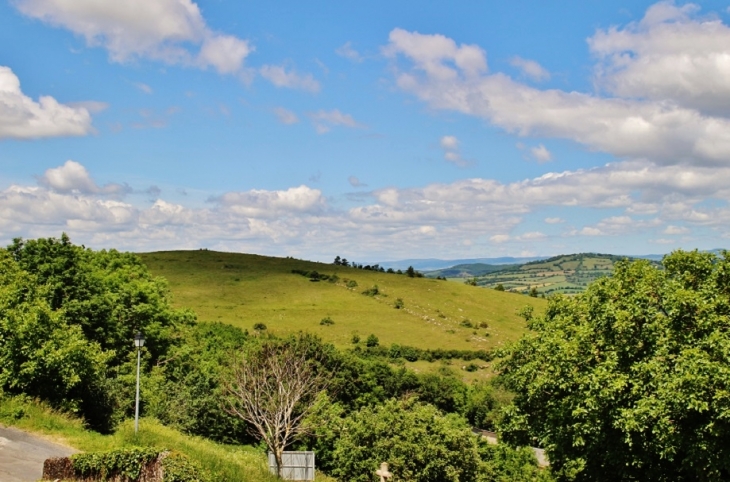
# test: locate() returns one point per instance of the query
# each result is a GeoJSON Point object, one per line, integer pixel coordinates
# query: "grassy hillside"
{"type": "Point", "coordinates": [244, 289]}
{"type": "Point", "coordinates": [561, 274]}
{"type": "Point", "coordinates": [468, 270]}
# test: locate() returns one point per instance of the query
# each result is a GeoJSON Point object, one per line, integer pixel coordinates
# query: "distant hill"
{"type": "Point", "coordinates": [431, 264]}
{"type": "Point", "coordinates": [568, 274]}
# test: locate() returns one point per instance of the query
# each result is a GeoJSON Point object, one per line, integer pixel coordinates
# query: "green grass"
{"type": "Point", "coordinates": [244, 289]}
{"type": "Point", "coordinates": [226, 463]}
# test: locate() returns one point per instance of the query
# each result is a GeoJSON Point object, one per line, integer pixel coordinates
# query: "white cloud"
{"type": "Point", "coordinates": [286, 116]}
{"type": "Point", "coordinates": [263, 203]}
{"type": "Point", "coordinates": [451, 77]}
{"type": "Point", "coordinates": [499, 238]}
{"type": "Point", "coordinates": [324, 120]}
{"type": "Point", "coordinates": [530, 68]}
{"type": "Point", "coordinates": [23, 118]}
{"type": "Point", "coordinates": [278, 75]}
{"type": "Point", "coordinates": [163, 30]}
{"type": "Point", "coordinates": [675, 230]}
{"type": "Point", "coordinates": [450, 145]}
{"type": "Point", "coordinates": [73, 177]}
{"type": "Point", "coordinates": [531, 236]}
{"type": "Point", "coordinates": [348, 52]}
{"type": "Point", "coordinates": [671, 54]}
{"type": "Point", "coordinates": [394, 222]}
{"type": "Point", "coordinates": [541, 154]}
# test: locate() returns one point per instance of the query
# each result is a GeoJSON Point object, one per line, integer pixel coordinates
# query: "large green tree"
{"type": "Point", "coordinates": [67, 319]}
{"type": "Point", "coordinates": [631, 380]}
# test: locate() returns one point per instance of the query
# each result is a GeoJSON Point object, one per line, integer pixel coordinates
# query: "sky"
{"type": "Point", "coordinates": [371, 130]}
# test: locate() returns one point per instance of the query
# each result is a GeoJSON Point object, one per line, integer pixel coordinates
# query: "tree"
{"type": "Point", "coordinates": [410, 272]}
{"type": "Point", "coordinates": [419, 443]}
{"type": "Point", "coordinates": [372, 341]}
{"type": "Point", "coordinates": [631, 380]}
{"type": "Point", "coordinates": [273, 386]}
{"type": "Point", "coordinates": [338, 261]}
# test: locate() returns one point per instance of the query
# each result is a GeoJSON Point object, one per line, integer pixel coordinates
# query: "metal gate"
{"type": "Point", "coordinates": [295, 465]}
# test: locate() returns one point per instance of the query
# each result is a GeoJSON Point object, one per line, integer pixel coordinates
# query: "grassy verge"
{"type": "Point", "coordinates": [226, 463]}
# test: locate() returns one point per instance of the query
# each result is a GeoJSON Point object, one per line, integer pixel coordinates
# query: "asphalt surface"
{"type": "Point", "coordinates": [22, 455]}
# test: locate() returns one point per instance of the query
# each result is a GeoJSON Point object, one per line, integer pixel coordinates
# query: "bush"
{"type": "Point", "coordinates": [372, 341]}
{"type": "Point", "coordinates": [398, 303]}
{"type": "Point", "coordinates": [372, 291]}
{"type": "Point", "coordinates": [419, 443]}
{"type": "Point", "coordinates": [326, 321]}
{"type": "Point", "coordinates": [259, 327]}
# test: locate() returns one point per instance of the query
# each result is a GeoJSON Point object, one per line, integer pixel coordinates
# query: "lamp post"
{"type": "Point", "coordinates": [139, 343]}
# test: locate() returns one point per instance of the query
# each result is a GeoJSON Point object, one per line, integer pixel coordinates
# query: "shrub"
{"type": "Point", "coordinates": [372, 291]}
{"type": "Point", "coordinates": [429, 446]}
{"type": "Point", "coordinates": [372, 341]}
{"type": "Point", "coordinates": [259, 327]}
{"type": "Point", "coordinates": [398, 303]}
{"type": "Point", "coordinates": [355, 339]}
{"type": "Point", "coordinates": [499, 287]}
{"type": "Point", "coordinates": [326, 321]}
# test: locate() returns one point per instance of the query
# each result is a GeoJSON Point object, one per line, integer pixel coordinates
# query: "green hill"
{"type": "Point", "coordinates": [569, 274]}
{"type": "Point", "coordinates": [468, 270]}
{"type": "Point", "coordinates": [245, 289]}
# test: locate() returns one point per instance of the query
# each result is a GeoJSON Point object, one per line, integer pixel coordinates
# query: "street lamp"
{"type": "Point", "coordinates": [139, 343]}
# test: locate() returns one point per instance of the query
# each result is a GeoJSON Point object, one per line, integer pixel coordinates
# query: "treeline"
{"type": "Point", "coordinates": [410, 272]}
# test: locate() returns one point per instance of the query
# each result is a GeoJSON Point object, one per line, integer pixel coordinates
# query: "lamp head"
{"type": "Point", "coordinates": [139, 340]}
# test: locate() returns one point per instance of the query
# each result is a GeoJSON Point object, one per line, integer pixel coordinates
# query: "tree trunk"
{"type": "Point", "coordinates": [278, 455]}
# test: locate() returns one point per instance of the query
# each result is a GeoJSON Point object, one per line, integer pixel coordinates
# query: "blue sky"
{"type": "Point", "coordinates": [370, 130]}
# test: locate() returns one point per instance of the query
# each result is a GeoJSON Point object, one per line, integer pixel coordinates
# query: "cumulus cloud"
{"type": "Point", "coordinates": [73, 177]}
{"type": "Point", "coordinates": [530, 68]}
{"type": "Point", "coordinates": [452, 154]}
{"type": "Point", "coordinates": [665, 125]}
{"type": "Point", "coordinates": [286, 116]}
{"type": "Point", "coordinates": [671, 54]}
{"type": "Point", "coordinates": [632, 199]}
{"type": "Point", "coordinates": [163, 30]}
{"type": "Point", "coordinates": [324, 120]}
{"type": "Point", "coordinates": [541, 154]}
{"type": "Point", "coordinates": [262, 203]}
{"type": "Point", "coordinates": [348, 52]}
{"type": "Point", "coordinates": [280, 77]}
{"type": "Point", "coordinates": [23, 118]}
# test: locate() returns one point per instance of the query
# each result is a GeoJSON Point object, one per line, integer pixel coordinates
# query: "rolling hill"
{"type": "Point", "coordinates": [245, 289]}
{"type": "Point", "coordinates": [567, 274]}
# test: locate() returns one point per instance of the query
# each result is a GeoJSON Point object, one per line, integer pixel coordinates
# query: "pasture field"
{"type": "Point", "coordinates": [245, 289]}
{"type": "Point", "coordinates": [568, 274]}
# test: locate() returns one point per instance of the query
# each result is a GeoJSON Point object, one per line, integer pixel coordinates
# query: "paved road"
{"type": "Point", "coordinates": [22, 455]}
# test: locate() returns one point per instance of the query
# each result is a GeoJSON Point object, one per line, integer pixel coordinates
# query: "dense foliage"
{"type": "Point", "coordinates": [67, 318]}
{"type": "Point", "coordinates": [631, 381]}
{"type": "Point", "coordinates": [418, 441]}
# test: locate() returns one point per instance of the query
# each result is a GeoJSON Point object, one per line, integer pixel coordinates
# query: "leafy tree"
{"type": "Point", "coordinates": [410, 272]}
{"type": "Point", "coordinates": [533, 292]}
{"type": "Point", "coordinates": [68, 315]}
{"type": "Point", "coordinates": [419, 443]}
{"type": "Point", "coordinates": [337, 261]}
{"type": "Point", "coordinates": [184, 389]}
{"type": "Point", "coordinates": [502, 463]}
{"type": "Point", "coordinates": [499, 287]}
{"type": "Point", "coordinates": [631, 380]}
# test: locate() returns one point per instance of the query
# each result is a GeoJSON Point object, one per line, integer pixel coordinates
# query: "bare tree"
{"type": "Point", "coordinates": [274, 387]}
